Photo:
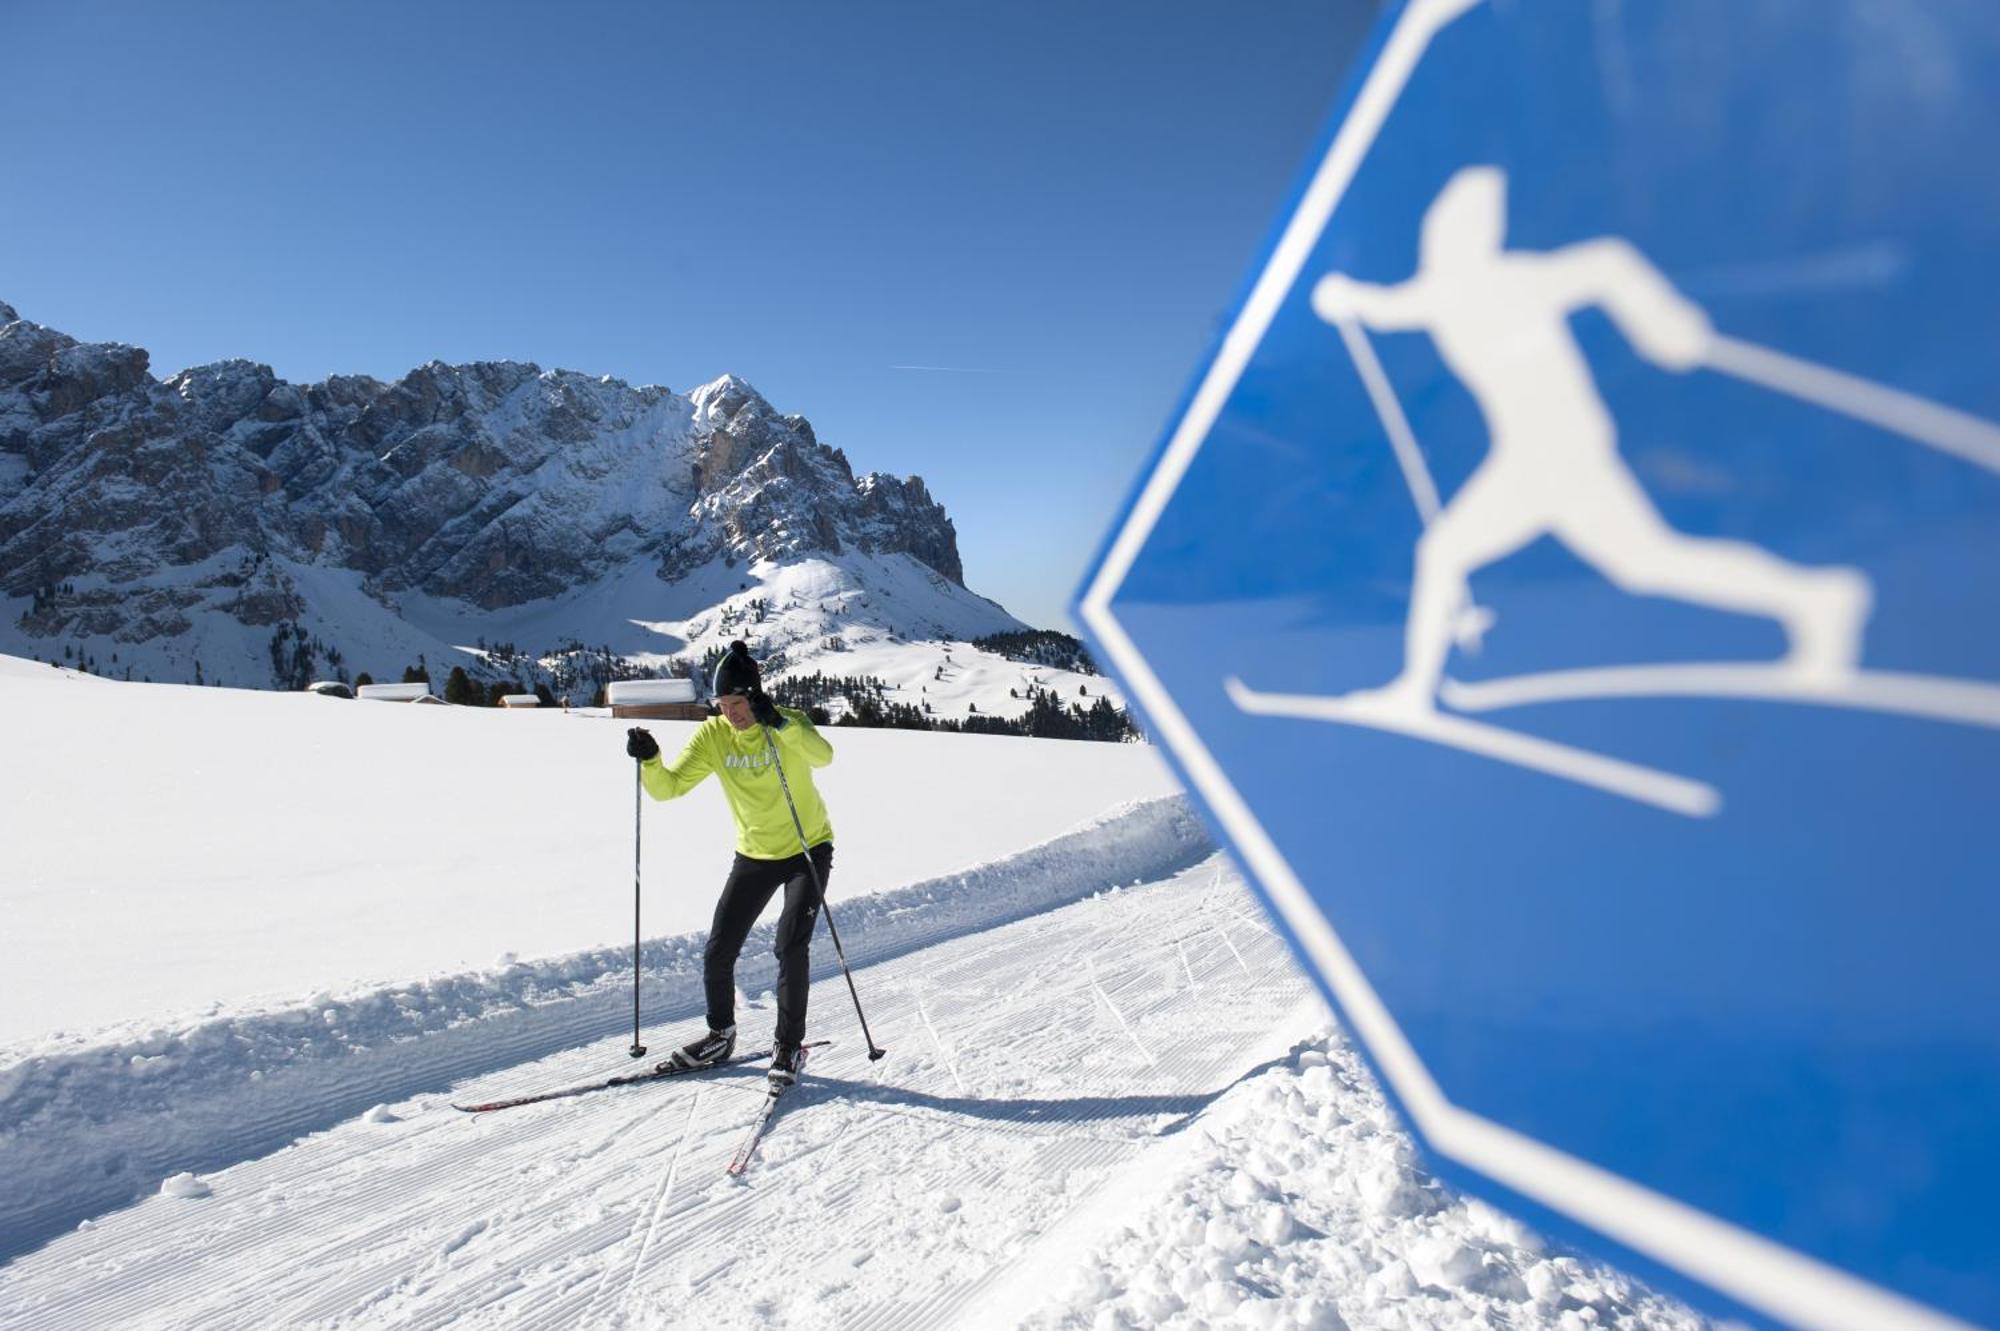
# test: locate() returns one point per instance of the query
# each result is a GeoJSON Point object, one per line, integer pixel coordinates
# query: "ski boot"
{"type": "Point", "coordinates": [785, 1062]}
{"type": "Point", "coordinates": [709, 1050]}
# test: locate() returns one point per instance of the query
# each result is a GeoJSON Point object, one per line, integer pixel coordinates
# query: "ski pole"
{"type": "Point", "coordinates": [638, 806]}
{"type": "Point", "coordinates": [1469, 619]}
{"type": "Point", "coordinates": [819, 888]}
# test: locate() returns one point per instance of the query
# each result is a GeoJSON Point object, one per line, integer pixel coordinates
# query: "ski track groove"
{"type": "Point", "coordinates": [950, 1063]}
{"type": "Point", "coordinates": [666, 1191]}
{"type": "Point", "coordinates": [555, 1215]}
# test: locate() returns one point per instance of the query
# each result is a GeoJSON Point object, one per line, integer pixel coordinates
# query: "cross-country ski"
{"type": "Point", "coordinates": [664, 1072]}
{"type": "Point", "coordinates": [766, 1111]}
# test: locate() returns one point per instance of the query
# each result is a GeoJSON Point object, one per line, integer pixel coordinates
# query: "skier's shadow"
{"type": "Point", "coordinates": [1184, 1108]}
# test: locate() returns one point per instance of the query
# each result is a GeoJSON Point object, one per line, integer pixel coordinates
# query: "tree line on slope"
{"type": "Point", "coordinates": [868, 704]}
{"type": "Point", "coordinates": [1043, 647]}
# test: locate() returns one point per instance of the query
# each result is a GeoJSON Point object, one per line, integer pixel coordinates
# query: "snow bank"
{"type": "Point", "coordinates": [88, 1127]}
{"type": "Point", "coordinates": [1300, 1204]}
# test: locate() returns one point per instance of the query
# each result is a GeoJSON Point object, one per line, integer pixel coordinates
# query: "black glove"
{"type": "Point", "coordinates": [765, 711]}
{"type": "Point", "coordinates": [639, 744]}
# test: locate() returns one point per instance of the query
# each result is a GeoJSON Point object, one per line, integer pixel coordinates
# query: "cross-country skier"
{"type": "Point", "coordinates": [739, 746]}
{"type": "Point", "coordinates": [1500, 320]}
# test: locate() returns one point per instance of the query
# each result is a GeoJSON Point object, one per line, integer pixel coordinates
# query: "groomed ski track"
{"type": "Point", "coordinates": [1036, 1071]}
{"type": "Point", "coordinates": [95, 1123]}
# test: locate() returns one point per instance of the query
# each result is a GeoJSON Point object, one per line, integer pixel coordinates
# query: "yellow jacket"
{"type": "Point", "coordinates": [741, 760]}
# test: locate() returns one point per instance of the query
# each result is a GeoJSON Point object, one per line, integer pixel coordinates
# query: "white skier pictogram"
{"type": "Point", "coordinates": [1500, 321]}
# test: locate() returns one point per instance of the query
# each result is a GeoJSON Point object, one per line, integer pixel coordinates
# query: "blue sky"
{"type": "Point", "coordinates": [1053, 203]}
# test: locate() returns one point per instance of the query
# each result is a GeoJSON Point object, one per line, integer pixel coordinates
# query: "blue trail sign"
{"type": "Point", "coordinates": [1573, 591]}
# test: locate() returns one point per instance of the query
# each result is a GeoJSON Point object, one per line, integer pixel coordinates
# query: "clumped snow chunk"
{"type": "Point", "coordinates": [1307, 1208]}
{"type": "Point", "coordinates": [184, 1185]}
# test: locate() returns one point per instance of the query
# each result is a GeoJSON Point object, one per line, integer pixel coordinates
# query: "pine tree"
{"type": "Point", "coordinates": [458, 688]}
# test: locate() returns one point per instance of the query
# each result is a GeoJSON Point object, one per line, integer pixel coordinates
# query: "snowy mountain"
{"type": "Point", "coordinates": [226, 526]}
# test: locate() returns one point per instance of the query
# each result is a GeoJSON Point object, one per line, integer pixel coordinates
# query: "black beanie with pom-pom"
{"type": "Point", "coordinates": [736, 672]}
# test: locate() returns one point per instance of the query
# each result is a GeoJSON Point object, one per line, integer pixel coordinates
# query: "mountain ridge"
{"type": "Point", "coordinates": [183, 526]}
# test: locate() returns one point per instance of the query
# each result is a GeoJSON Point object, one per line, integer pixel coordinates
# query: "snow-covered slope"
{"type": "Point", "coordinates": [804, 615]}
{"type": "Point", "coordinates": [953, 678]}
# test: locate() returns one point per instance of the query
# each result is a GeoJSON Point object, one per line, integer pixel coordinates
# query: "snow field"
{"type": "Point", "coordinates": [175, 854]}
{"type": "Point", "coordinates": [88, 1126]}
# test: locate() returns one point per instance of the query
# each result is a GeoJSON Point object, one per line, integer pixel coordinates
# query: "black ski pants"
{"type": "Point", "coordinates": [748, 890]}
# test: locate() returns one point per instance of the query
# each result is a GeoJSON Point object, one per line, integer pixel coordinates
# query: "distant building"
{"type": "Point", "coordinates": [330, 688]}
{"type": "Point", "coordinates": [655, 700]}
{"type": "Point", "coordinates": [519, 700]}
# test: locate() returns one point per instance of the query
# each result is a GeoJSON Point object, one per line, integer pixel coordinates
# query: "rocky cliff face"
{"type": "Point", "coordinates": [763, 481]}
{"type": "Point", "coordinates": [130, 505]}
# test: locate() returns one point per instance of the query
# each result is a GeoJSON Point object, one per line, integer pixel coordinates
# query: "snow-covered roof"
{"type": "Point", "coordinates": [519, 700]}
{"type": "Point", "coordinates": [394, 692]}
{"type": "Point", "coordinates": [630, 691]}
